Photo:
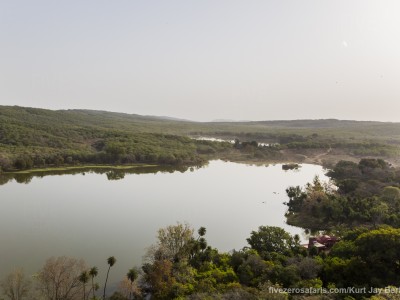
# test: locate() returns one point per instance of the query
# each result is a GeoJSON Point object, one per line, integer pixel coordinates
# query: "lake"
{"type": "Point", "coordinates": [88, 216]}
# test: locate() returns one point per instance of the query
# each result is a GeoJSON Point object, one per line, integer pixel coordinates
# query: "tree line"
{"type": "Point", "coordinates": [363, 194]}
{"type": "Point", "coordinates": [38, 138]}
{"type": "Point", "coordinates": [182, 265]}
{"type": "Point", "coordinates": [139, 148]}
{"type": "Point", "coordinates": [62, 278]}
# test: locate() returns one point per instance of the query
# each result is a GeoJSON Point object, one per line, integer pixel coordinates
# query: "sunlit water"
{"type": "Point", "coordinates": [212, 139]}
{"type": "Point", "coordinates": [90, 217]}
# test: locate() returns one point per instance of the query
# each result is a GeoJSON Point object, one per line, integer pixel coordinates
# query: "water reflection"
{"type": "Point", "coordinates": [93, 213]}
{"type": "Point", "coordinates": [110, 172]}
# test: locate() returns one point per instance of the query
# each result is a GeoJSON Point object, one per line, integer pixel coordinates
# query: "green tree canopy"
{"type": "Point", "coordinates": [271, 239]}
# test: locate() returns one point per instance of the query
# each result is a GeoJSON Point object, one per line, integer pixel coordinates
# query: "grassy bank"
{"type": "Point", "coordinates": [81, 168]}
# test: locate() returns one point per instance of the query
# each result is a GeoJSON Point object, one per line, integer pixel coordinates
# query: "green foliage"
{"type": "Point", "coordinates": [174, 242]}
{"type": "Point", "coordinates": [185, 266]}
{"type": "Point", "coordinates": [132, 274]}
{"type": "Point", "coordinates": [32, 137]}
{"type": "Point", "coordinates": [388, 293]}
{"type": "Point", "coordinates": [93, 272]}
{"type": "Point", "coordinates": [252, 270]}
{"type": "Point", "coordinates": [270, 239]}
{"type": "Point", "coordinates": [380, 250]}
{"type": "Point", "coordinates": [268, 291]}
{"type": "Point", "coordinates": [41, 138]}
{"type": "Point", "coordinates": [368, 194]}
{"type": "Point", "coordinates": [362, 259]}
{"type": "Point", "coordinates": [111, 262]}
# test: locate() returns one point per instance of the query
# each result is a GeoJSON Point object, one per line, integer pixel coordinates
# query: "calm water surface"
{"type": "Point", "coordinates": [90, 217]}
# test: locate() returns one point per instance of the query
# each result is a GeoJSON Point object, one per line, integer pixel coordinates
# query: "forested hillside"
{"type": "Point", "coordinates": [31, 137]}
{"type": "Point", "coordinates": [38, 138]}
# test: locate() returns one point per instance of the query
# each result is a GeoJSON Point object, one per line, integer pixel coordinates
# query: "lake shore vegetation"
{"type": "Point", "coordinates": [366, 193]}
{"type": "Point", "coordinates": [274, 265]}
{"type": "Point", "coordinates": [360, 207]}
{"type": "Point", "coordinates": [32, 138]}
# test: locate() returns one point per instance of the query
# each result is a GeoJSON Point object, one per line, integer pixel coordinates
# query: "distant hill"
{"type": "Point", "coordinates": [49, 136]}
{"type": "Point", "coordinates": [98, 117]}
{"type": "Point", "coordinates": [169, 118]}
{"type": "Point", "coordinates": [32, 137]}
{"type": "Point", "coordinates": [43, 119]}
{"type": "Point", "coordinates": [321, 123]}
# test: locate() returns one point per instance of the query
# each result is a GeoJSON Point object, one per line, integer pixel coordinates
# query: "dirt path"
{"type": "Point", "coordinates": [318, 158]}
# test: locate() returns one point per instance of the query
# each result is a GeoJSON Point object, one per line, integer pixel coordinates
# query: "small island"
{"type": "Point", "coordinates": [291, 166]}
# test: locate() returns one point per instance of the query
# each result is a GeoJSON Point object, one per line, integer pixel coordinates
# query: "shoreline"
{"type": "Point", "coordinates": [80, 167]}
{"type": "Point", "coordinates": [326, 159]}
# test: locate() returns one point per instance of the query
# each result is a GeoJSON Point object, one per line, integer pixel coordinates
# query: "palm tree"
{"type": "Point", "coordinates": [111, 261]}
{"type": "Point", "coordinates": [202, 231]}
{"type": "Point", "coordinates": [93, 273]}
{"type": "Point", "coordinates": [84, 278]}
{"type": "Point", "coordinates": [132, 275]}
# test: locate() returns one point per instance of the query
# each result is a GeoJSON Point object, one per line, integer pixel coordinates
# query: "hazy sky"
{"type": "Point", "coordinates": [204, 59]}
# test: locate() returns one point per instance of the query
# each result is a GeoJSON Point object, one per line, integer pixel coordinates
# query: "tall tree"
{"type": "Point", "coordinates": [202, 231]}
{"type": "Point", "coordinates": [84, 278]}
{"type": "Point", "coordinates": [380, 251]}
{"type": "Point", "coordinates": [111, 261]}
{"type": "Point", "coordinates": [271, 239]}
{"type": "Point", "coordinates": [174, 241]}
{"type": "Point", "coordinates": [93, 272]}
{"type": "Point", "coordinates": [132, 276]}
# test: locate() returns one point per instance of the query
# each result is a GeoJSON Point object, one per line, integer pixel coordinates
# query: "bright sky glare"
{"type": "Point", "coordinates": [204, 60]}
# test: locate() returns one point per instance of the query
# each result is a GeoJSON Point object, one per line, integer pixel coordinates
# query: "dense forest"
{"type": "Point", "coordinates": [39, 138]}
{"type": "Point", "coordinates": [367, 193]}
